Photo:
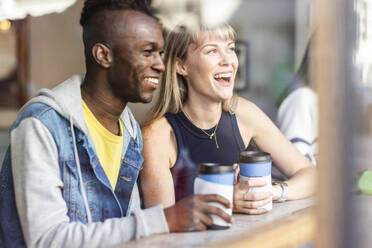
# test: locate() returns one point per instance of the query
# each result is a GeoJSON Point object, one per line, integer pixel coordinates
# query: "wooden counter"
{"type": "Point", "coordinates": [289, 224]}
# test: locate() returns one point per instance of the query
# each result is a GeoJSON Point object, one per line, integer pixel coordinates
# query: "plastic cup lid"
{"type": "Point", "coordinates": [214, 168]}
{"type": "Point", "coordinates": [254, 157]}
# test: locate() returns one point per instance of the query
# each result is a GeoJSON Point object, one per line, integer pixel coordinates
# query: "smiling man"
{"type": "Point", "coordinates": [69, 176]}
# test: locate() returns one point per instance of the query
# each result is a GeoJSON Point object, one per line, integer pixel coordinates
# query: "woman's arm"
{"type": "Point", "coordinates": [159, 152]}
{"type": "Point", "coordinates": [268, 138]}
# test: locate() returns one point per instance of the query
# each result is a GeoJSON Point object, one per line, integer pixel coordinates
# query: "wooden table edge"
{"type": "Point", "coordinates": [290, 231]}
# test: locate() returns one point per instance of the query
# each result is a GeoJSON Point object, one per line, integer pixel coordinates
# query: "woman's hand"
{"type": "Point", "coordinates": [250, 202]}
{"type": "Point", "coordinates": [236, 173]}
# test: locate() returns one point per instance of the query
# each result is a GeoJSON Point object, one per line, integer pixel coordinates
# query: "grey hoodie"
{"type": "Point", "coordinates": [42, 210]}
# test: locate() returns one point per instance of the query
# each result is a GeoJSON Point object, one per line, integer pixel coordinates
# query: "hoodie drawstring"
{"type": "Point", "coordinates": [82, 189]}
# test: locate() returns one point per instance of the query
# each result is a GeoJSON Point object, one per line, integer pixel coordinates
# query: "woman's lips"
{"type": "Point", "coordinates": [224, 78]}
{"type": "Point", "coordinates": [226, 82]}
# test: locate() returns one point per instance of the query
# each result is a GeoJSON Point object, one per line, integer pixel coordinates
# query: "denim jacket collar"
{"type": "Point", "coordinates": [69, 105]}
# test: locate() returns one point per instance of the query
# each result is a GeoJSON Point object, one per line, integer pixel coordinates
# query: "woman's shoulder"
{"type": "Point", "coordinates": [157, 128]}
{"type": "Point", "coordinates": [246, 109]}
{"type": "Point", "coordinates": [242, 102]}
{"type": "Point", "coordinates": [159, 136]}
{"type": "Point", "coordinates": [250, 117]}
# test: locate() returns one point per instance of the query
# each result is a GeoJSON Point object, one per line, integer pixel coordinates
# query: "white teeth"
{"type": "Point", "coordinates": [223, 75]}
{"type": "Point", "coordinates": [153, 80]}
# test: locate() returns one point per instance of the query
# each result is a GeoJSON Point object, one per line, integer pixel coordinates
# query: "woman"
{"type": "Point", "coordinates": [198, 119]}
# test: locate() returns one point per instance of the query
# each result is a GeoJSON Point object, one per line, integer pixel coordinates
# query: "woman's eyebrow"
{"type": "Point", "coordinates": [214, 45]}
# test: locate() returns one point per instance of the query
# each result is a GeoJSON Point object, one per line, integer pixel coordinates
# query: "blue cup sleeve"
{"type": "Point", "coordinates": [225, 178]}
{"type": "Point", "coordinates": [255, 169]}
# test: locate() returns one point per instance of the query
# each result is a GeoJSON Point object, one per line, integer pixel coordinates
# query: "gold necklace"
{"type": "Point", "coordinates": [213, 134]}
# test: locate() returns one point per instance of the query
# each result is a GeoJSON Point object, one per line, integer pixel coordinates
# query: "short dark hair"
{"type": "Point", "coordinates": [92, 7]}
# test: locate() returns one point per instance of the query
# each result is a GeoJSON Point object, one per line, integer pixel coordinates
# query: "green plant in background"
{"type": "Point", "coordinates": [365, 183]}
{"type": "Point", "coordinates": [281, 80]}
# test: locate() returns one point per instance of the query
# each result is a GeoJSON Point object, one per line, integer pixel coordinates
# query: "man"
{"type": "Point", "coordinates": [69, 176]}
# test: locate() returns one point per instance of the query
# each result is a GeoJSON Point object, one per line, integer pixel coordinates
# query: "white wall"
{"type": "Point", "coordinates": [55, 48]}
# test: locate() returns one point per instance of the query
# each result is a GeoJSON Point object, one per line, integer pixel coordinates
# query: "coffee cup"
{"type": "Point", "coordinates": [213, 178]}
{"type": "Point", "coordinates": [256, 165]}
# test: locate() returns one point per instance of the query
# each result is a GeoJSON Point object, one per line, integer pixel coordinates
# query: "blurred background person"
{"type": "Point", "coordinates": [298, 113]}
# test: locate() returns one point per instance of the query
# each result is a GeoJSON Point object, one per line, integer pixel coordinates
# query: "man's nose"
{"type": "Point", "coordinates": [158, 63]}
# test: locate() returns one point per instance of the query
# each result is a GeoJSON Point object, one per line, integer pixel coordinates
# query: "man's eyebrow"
{"type": "Point", "coordinates": [151, 43]}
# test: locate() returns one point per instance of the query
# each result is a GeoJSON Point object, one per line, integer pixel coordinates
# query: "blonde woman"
{"type": "Point", "coordinates": [198, 119]}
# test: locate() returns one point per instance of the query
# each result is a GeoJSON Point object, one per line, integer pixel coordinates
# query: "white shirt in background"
{"type": "Point", "coordinates": [298, 121]}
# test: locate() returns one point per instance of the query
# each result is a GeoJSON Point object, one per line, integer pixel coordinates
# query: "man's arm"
{"type": "Point", "coordinates": [42, 209]}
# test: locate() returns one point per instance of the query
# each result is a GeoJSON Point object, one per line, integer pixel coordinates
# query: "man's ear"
{"type": "Point", "coordinates": [102, 54]}
{"type": "Point", "coordinates": [180, 67]}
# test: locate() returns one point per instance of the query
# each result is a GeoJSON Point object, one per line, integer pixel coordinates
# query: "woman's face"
{"type": "Point", "coordinates": [210, 68]}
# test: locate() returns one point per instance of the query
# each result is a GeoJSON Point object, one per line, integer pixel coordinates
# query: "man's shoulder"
{"type": "Point", "coordinates": [35, 110]}
{"type": "Point", "coordinates": [38, 110]}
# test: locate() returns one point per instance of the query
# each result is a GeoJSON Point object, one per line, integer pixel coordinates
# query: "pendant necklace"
{"type": "Point", "coordinates": [213, 134]}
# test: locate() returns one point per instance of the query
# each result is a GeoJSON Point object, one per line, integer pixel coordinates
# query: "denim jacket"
{"type": "Point", "coordinates": [53, 190]}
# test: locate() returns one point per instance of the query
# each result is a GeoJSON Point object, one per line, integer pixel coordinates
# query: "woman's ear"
{"type": "Point", "coordinates": [102, 54]}
{"type": "Point", "coordinates": [180, 67]}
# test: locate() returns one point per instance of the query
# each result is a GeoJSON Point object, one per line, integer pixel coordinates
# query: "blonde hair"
{"type": "Point", "coordinates": [173, 87]}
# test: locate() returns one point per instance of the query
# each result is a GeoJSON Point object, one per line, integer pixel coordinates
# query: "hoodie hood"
{"type": "Point", "coordinates": [66, 100]}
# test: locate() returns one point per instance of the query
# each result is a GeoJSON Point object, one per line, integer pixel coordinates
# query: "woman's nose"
{"type": "Point", "coordinates": [227, 58]}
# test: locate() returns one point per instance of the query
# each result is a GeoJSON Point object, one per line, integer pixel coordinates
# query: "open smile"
{"type": "Point", "coordinates": [153, 82]}
{"type": "Point", "coordinates": [224, 79]}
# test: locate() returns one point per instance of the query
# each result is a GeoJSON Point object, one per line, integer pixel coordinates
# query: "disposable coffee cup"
{"type": "Point", "coordinates": [256, 164]}
{"type": "Point", "coordinates": [215, 178]}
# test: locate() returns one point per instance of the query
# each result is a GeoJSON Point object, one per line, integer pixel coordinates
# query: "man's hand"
{"type": "Point", "coordinates": [250, 202]}
{"type": "Point", "coordinates": [193, 213]}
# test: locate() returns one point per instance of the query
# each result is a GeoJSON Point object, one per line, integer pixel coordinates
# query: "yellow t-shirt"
{"type": "Point", "coordinates": [108, 146]}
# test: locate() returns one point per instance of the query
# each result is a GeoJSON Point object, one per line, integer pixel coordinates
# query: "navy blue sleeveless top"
{"type": "Point", "coordinates": [194, 147]}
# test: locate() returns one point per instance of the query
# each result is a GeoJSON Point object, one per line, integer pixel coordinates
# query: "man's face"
{"type": "Point", "coordinates": [137, 63]}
